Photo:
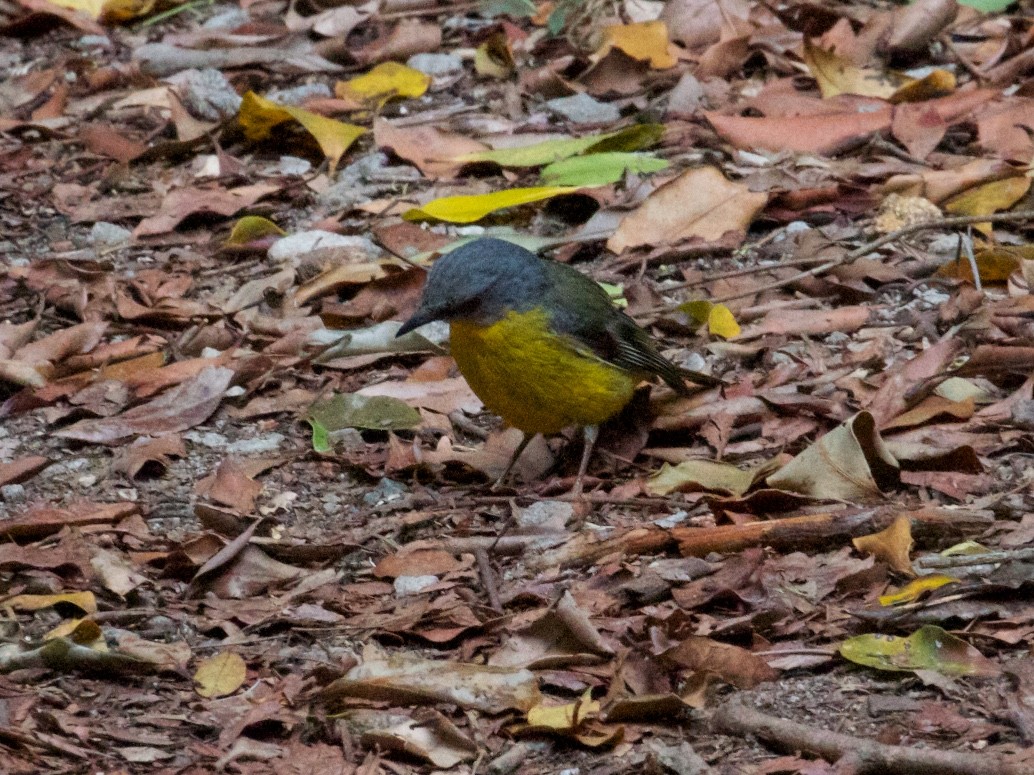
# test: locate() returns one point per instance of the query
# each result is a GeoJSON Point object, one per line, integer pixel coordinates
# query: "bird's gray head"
{"type": "Point", "coordinates": [480, 281]}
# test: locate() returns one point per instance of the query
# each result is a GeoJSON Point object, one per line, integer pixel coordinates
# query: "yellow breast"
{"type": "Point", "coordinates": [534, 379]}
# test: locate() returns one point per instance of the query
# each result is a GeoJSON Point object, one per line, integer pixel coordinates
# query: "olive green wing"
{"type": "Point", "coordinates": [581, 309]}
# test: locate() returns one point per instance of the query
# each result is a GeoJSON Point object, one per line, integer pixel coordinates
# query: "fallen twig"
{"type": "Point", "coordinates": [488, 579]}
{"type": "Point", "coordinates": [868, 247]}
{"type": "Point", "coordinates": [811, 529]}
{"type": "Point", "coordinates": [862, 757]}
{"type": "Point", "coordinates": [967, 560]}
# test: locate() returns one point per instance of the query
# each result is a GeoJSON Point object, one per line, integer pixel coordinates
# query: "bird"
{"type": "Point", "coordinates": [540, 343]}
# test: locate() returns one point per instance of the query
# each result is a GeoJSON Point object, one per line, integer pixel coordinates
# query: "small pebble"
{"type": "Point", "coordinates": [435, 64]}
{"type": "Point", "coordinates": [584, 109]}
{"type": "Point", "coordinates": [413, 585]}
{"type": "Point", "coordinates": [12, 492]}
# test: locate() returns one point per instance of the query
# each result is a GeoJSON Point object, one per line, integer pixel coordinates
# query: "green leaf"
{"type": "Point", "coordinates": [988, 6]}
{"type": "Point", "coordinates": [351, 410]}
{"type": "Point", "coordinates": [518, 9]}
{"type": "Point", "coordinates": [599, 169]}
{"type": "Point", "coordinates": [928, 648]}
{"type": "Point", "coordinates": [633, 138]}
{"type": "Point", "coordinates": [320, 436]}
{"type": "Point", "coordinates": [474, 207]}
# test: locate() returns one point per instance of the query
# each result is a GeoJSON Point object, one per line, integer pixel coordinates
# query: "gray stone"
{"type": "Point", "coordinates": [583, 109]}
{"type": "Point", "coordinates": [109, 234]}
{"type": "Point", "coordinates": [435, 64]}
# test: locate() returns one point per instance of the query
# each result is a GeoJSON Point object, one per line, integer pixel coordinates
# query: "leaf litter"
{"type": "Point", "coordinates": [243, 527]}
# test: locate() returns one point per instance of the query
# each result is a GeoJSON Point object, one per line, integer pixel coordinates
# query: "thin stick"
{"type": "Point", "coordinates": [488, 579]}
{"type": "Point", "coordinates": [942, 223]}
{"type": "Point", "coordinates": [964, 60]}
{"type": "Point", "coordinates": [985, 558]}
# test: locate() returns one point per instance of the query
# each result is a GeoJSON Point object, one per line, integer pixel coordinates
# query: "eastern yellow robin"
{"type": "Point", "coordinates": [539, 343]}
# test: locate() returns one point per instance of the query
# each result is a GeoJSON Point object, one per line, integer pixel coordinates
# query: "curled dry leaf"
{"type": "Point", "coordinates": [849, 463]}
{"type": "Point", "coordinates": [404, 679]}
{"type": "Point", "coordinates": [700, 203]}
{"type": "Point", "coordinates": [892, 545]}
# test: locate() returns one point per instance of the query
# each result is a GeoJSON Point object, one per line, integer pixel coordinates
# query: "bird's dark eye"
{"type": "Point", "coordinates": [465, 309]}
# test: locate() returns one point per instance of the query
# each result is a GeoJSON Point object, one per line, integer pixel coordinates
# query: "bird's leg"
{"type": "Point", "coordinates": [513, 460]}
{"type": "Point", "coordinates": [590, 433]}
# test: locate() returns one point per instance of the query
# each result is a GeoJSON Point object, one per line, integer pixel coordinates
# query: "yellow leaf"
{"type": "Point", "coordinates": [494, 57]}
{"type": "Point", "coordinates": [645, 41]}
{"type": "Point", "coordinates": [938, 83]}
{"type": "Point", "coordinates": [220, 675]}
{"type": "Point", "coordinates": [474, 207]}
{"type": "Point", "coordinates": [386, 81]}
{"type": "Point", "coordinates": [251, 228]}
{"type": "Point", "coordinates": [917, 588]}
{"type": "Point", "coordinates": [82, 600]}
{"type": "Point", "coordinates": [109, 10]}
{"type": "Point", "coordinates": [257, 117]}
{"type": "Point", "coordinates": [891, 545]}
{"type": "Point", "coordinates": [720, 320]}
{"type": "Point", "coordinates": [988, 198]}
{"type": "Point", "coordinates": [564, 718]}
{"type": "Point", "coordinates": [965, 548]}
{"type": "Point", "coordinates": [994, 265]}
{"type": "Point", "coordinates": [836, 75]}
{"type": "Point", "coordinates": [85, 632]}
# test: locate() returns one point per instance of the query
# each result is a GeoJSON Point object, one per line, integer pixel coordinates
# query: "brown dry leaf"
{"type": "Point", "coordinates": [797, 322]}
{"type": "Point", "coordinates": [22, 470]}
{"type": "Point", "coordinates": [1005, 129]}
{"type": "Point", "coordinates": [433, 150]}
{"type": "Point", "coordinates": [420, 562]}
{"type": "Point", "coordinates": [700, 203]}
{"type": "Point", "coordinates": [115, 571]}
{"type": "Point", "coordinates": [917, 24]}
{"type": "Point", "coordinates": [408, 37]}
{"type": "Point", "coordinates": [183, 202]}
{"type": "Point", "coordinates": [492, 457]}
{"type": "Point", "coordinates": [42, 521]}
{"type": "Point", "coordinates": [892, 545]}
{"type": "Point", "coordinates": [427, 734]}
{"type": "Point", "coordinates": [38, 359]}
{"type": "Point", "coordinates": [170, 655]}
{"type": "Point", "coordinates": [405, 679]}
{"type": "Point", "coordinates": [849, 463]}
{"type": "Point", "coordinates": [443, 396]}
{"type": "Point", "coordinates": [220, 675]}
{"type": "Point", "coordinates": [823, 134]}
{"type": "Point", "coordinates": [182, 407]}
{"type": "Point", "coordinates": [695, 24]}
{"type": "Point", "coordinates": [230, 486]}
{"type": "Point", "coordinates": [930, 408]}
{"type": "Point", "coordinates": [145, 453]}
{"type": "Point", "coordinates": [562, 636]}
{"type": "Point", "coordinates": [731, 663]}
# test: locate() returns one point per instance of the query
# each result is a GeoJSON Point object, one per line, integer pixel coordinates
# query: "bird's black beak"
{"type": "Point", "coordinates": [420, 318]}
